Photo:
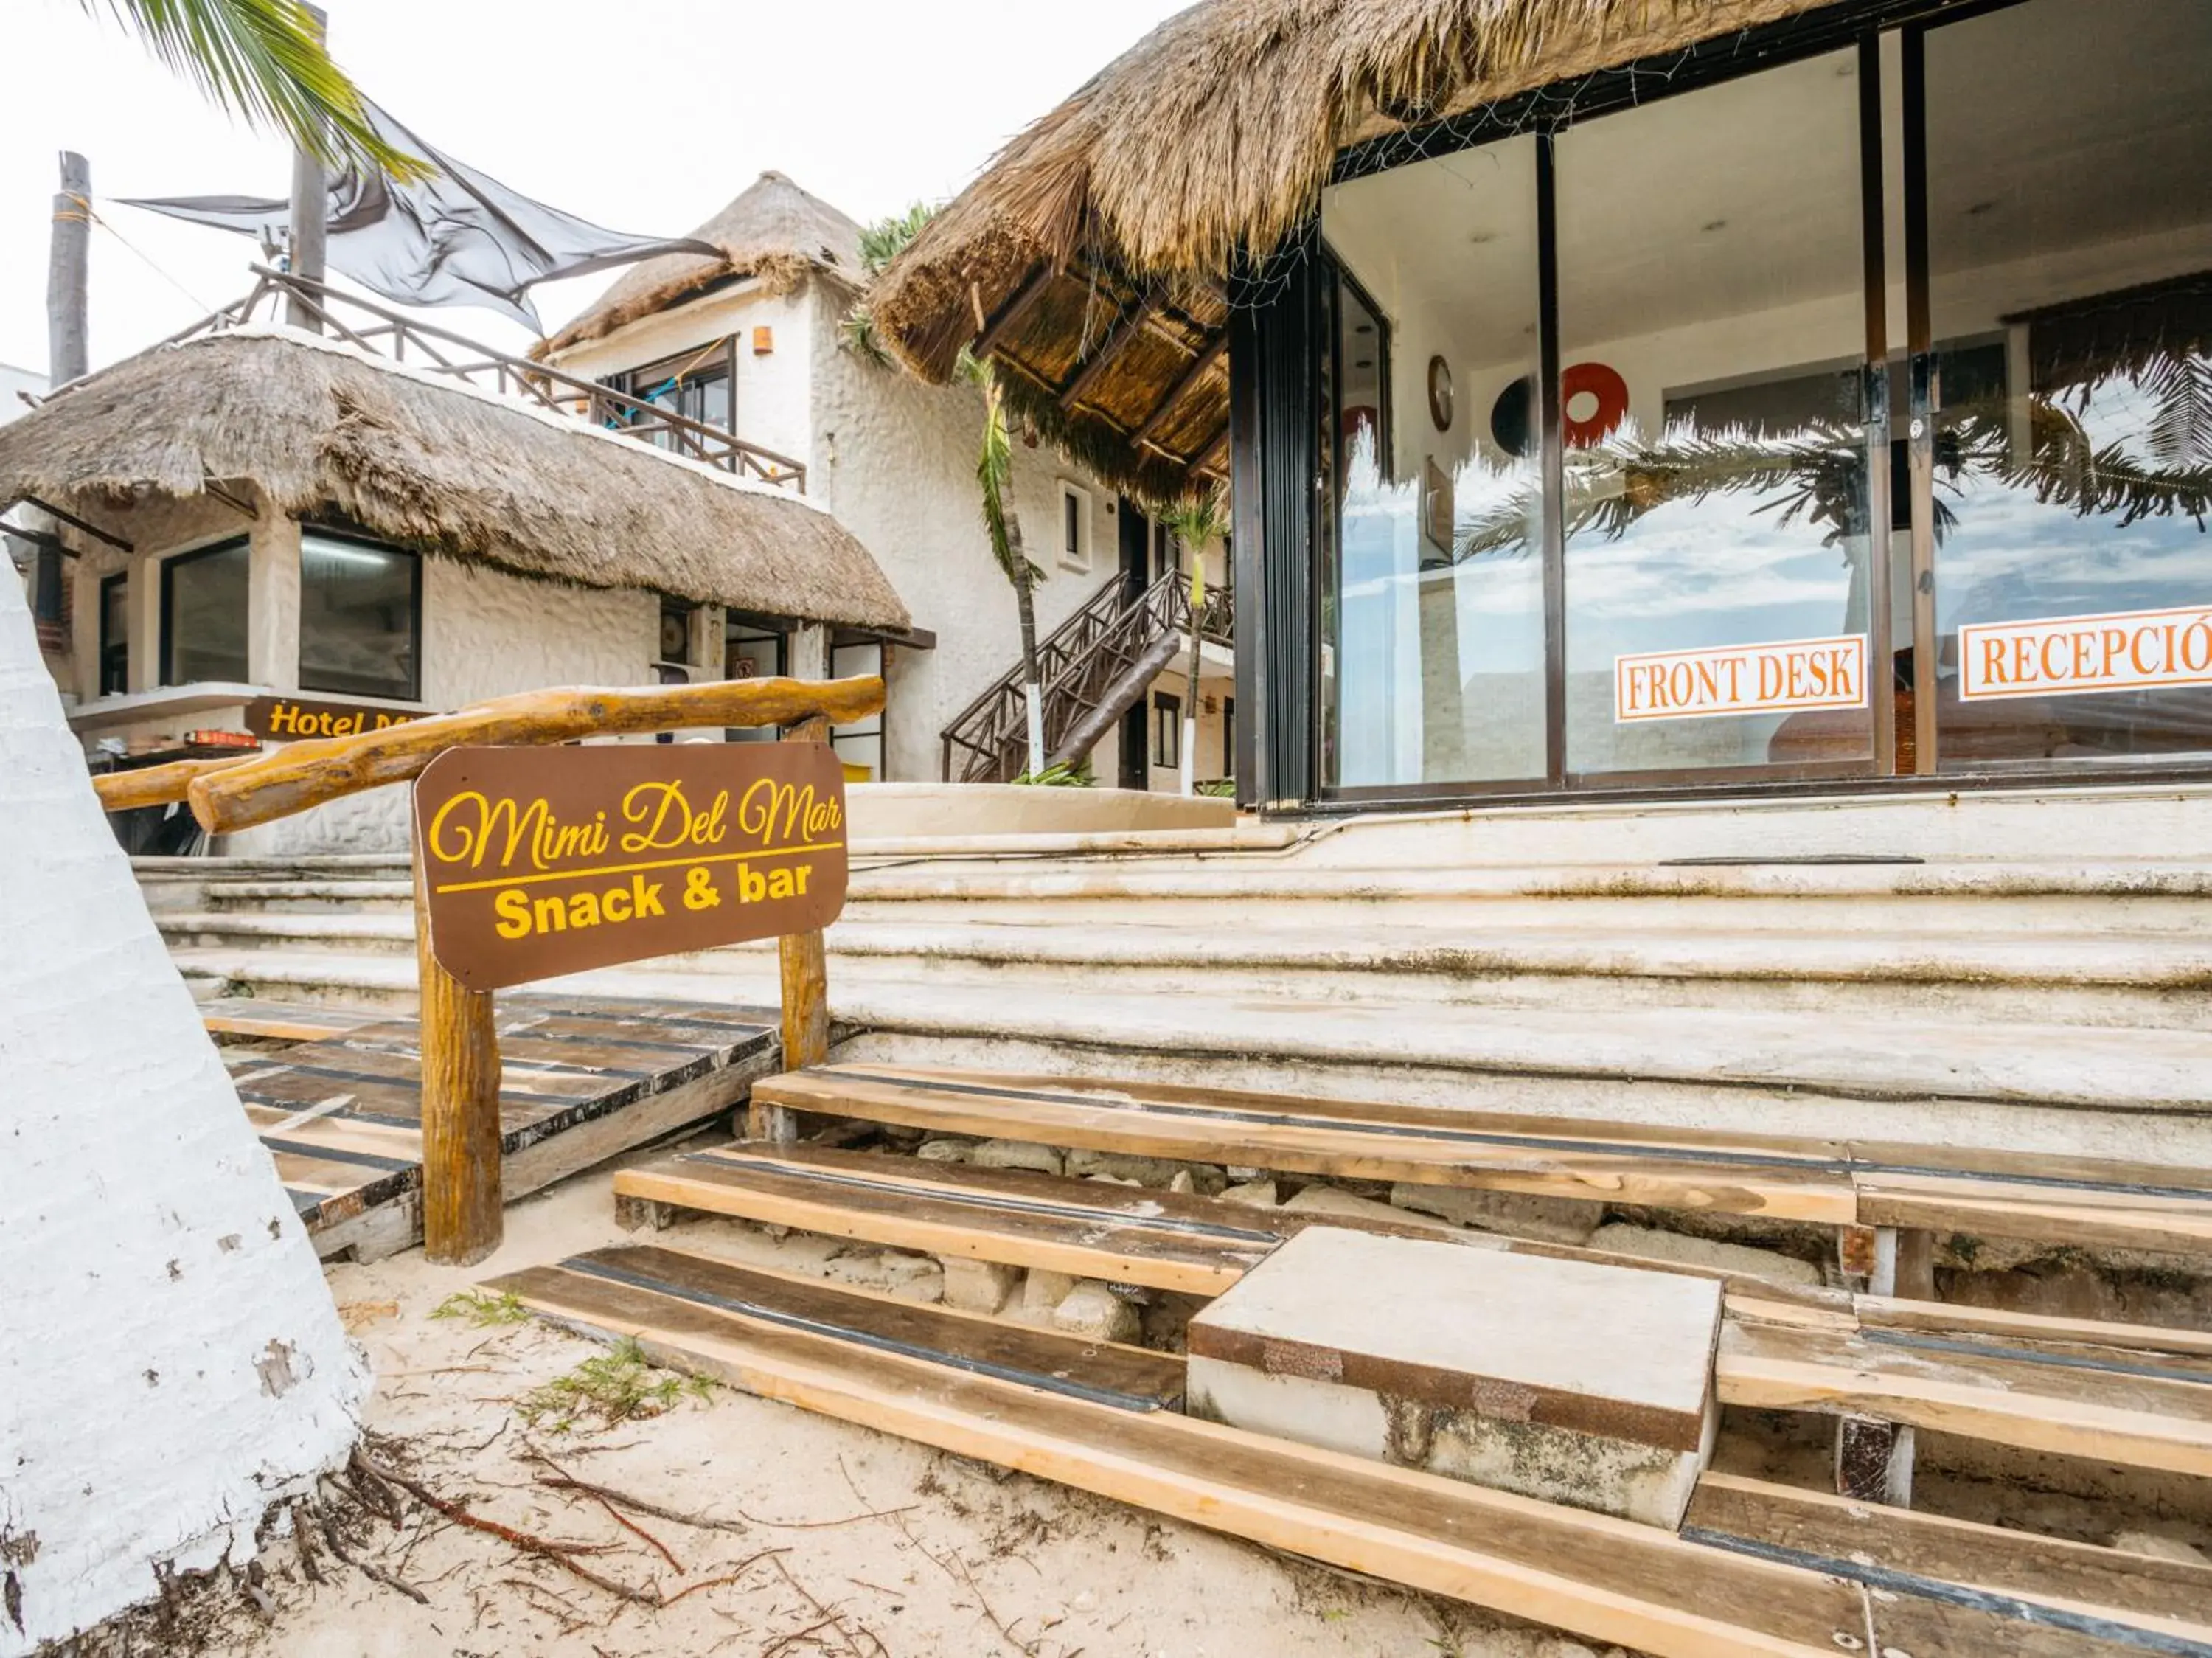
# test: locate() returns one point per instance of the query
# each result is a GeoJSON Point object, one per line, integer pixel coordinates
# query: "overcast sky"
{"type": "Point", "coordinates": [644, 118]}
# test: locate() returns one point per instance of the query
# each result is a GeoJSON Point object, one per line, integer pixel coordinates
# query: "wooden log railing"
{"type": "Point", "coordinates": [462, 1218]}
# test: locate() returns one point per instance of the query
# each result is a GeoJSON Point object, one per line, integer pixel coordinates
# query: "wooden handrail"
{"type": "Point", "coordinates": [306, 774]}
{"type": "Point", "coordinates": [158, 785]}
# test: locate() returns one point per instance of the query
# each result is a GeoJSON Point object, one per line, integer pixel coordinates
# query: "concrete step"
{"type": "Point", "coordinates": [310, 897]}
{"type": "Point", "coordinates": [2095, 979]}
{"type": "Point", "coordinates": [2121, 1093]}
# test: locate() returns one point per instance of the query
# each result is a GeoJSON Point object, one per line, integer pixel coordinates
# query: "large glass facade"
{"type": "Point", "coordinates": [1847, 415]}
{"type": "Point", "coordinates": [2070, 237]}
{"type": "Point", "coordinates": [1434, 663]}
{"type": "Point", "coordinates": [1713, 341]}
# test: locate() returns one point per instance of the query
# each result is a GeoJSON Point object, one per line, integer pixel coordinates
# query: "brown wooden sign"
{"type": "Point", "coordinates": [293, 719]}
{"type": "Point", "coordinates": [541, 862]}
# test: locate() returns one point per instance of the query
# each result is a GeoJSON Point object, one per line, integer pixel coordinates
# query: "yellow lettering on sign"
{"type": "Point", "coordinates": [469, 825]}
{"type": "Point", "coordinates": [521, 916]}
{"type": "Point", "coordinates": [669, 820]}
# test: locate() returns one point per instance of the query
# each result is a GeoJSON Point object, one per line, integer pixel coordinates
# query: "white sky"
{"type": "Point", "coordinates": [644, 118]}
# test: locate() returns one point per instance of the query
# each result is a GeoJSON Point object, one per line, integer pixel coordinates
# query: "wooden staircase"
{"type": "Point", "coordinates": [1759, 1567]}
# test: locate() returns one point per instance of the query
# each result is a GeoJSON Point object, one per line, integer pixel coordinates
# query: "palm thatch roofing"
{"type": "Point", "coordinates": [1094, 245]}
{"type": "Point", "coordinates": [774, 231]}
{"type": "Point", "coordinates": [315, 427]}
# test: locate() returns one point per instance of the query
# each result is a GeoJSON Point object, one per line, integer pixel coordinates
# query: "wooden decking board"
{"type": "Point", "coordinates": [280, 1022]}
{"type": "Point", "coordinates": [2042, 1568]}
{"type": "Point", "coordinates": [342, 1115]}
{"type": "Point", "coordinates": [1345, 1146]}
{"type": "Point", "coordinates": [1129, 1378]}
{"type": "Point", "coordinates": [2014, 1399]}
{"type": "Point", "coordinates": [1610, 1581]}
{"type": "Point", "coordinates": [2012, 1194]}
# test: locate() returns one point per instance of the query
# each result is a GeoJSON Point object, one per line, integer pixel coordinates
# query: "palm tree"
{"type": "Point", "coordinates": [881, 243]}
{"type": "Point", "coordinates": [265, 60]}
{"type": "Point", "coordinates": [1197, 524]}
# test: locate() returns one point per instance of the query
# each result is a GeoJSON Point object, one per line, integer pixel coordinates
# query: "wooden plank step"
{"type": "Point", "coordinates": [1362, 1141]}
{"type": "Point", "coordinates": [1609, 1581]}
{"type": "Point", "coordinates": [1129, 1378]}
{"type": "Point", "coordinates": [2060, 1200]}
{"type": "Point", "coordinates": [1088, 1228]}
{"type": "Point", "coordinates": [2117, 1407]}
{"type": "Point", "coordinates": [282, 1021]}
{"type": "Point", "coordinates": [2094, 1580]}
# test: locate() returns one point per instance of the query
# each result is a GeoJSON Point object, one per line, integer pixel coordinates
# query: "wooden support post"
{"type": "Point", "coordinates": [1915, 1265]}
{"type": "Point", "coordinates": [69, 353]}
{"type": "Point", "coordinates": [463, 1219]}
{"type": "Point", "coordinates": [805, 974]}
{"type": "Point", "coordinates": [310, 214]}
{"type": "Point", "coordinates": [1874, 1457]}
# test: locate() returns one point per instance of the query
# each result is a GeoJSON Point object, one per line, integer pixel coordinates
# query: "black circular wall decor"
{"type": "Point", "coordinates": [1440, 394]}
{"type": "Point", "coordinates": [1513, 418]}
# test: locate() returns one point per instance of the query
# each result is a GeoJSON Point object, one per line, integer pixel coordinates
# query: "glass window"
{"type": "Point", "coordinates": [751, 650]}
{"type": "Point", "coordinates": [360, 619]}
{"type": "Point", "coordinates": [1433, 615]}
{"type": "Point", "coordinates": [1167, 730]}
{"type": "Point", "coordinates": [203, 615]}
{"type": "Point", "coordinates": [1712, 337]}
{"type": "Point", "coordinates": [1074, 529]}
{"type": "Point", "coordinates": [2069, 205]}
{"type": "Point", "coordinates": [114, 635]}
{"type": "Point", "coordinates": [696, 387]}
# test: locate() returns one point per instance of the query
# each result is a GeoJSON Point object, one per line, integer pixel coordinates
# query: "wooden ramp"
{"type": "Point", "coordinates": [582, 1079]}
{"type": "Point", "coordinates": [1761, 1570]}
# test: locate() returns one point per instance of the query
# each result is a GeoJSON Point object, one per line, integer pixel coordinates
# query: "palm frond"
{"type": "Point", "coordinates": [994, 471]}
{"type": "Point", "coordinates": [856, 333]}
{"type": "Point", "coordinates": [265, 61]}
{"type": "Point", "coordinates": [887, 238]}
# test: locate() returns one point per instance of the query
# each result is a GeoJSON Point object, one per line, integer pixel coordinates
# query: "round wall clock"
{"type": "Point", "coordinates": [1440, 394]}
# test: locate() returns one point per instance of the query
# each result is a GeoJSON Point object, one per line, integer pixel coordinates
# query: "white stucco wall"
{"type": "Point", "coordinates": [171, 1363]}
{"type": "Point", "coordinates": [771, 387]}
{"type": "Point", "coordinates": [484, 634]}
{"type": "Point", "coordinates": [897, 466]}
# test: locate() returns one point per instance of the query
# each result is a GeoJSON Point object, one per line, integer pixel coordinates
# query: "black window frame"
{"type": "Point", "coordinates": [119, 582]}
{"type": "Point", "coordinates": [1277, 302]}
{"type": "Point", "coordinates": [170, 566]}
{"type": "Point", "coordinates": [327, 533]}
{"type": "Point", "coordinates": [1167, 730]}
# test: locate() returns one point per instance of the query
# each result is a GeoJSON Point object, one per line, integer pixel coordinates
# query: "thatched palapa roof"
{"type": "Point", "coordinates": [317, 426]}
{"type": "Point", "coordinates": [775, 231]}
{"type": "Point", "coordinates": [1214, 134]}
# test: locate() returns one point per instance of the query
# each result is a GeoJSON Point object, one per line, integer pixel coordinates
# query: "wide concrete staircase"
{"type": "Point", "coordinates": [2005, 970]}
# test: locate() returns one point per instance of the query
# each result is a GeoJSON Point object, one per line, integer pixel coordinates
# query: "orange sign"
{"type": "Point", "coordinates": [2075, 655]}
{"type": "Point", "coordinates": [1697, 685]}
{"type": "Point", "coordinates": [541, 862]}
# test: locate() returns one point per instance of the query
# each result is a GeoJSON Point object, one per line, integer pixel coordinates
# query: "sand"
{"type": "Point", "coordinates": [886, 1549]}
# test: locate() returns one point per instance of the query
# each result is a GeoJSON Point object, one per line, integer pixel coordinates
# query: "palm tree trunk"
{"type": "Point", "coordinates": [1191, 687]}
{"type": "Point", "coordinates": [1032, 689]}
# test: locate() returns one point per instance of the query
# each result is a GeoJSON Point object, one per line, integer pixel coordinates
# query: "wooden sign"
{"type": "Point", "coordinates": [540, 862]}
{"type": "Point", "coordinates": [1765, 679]}
{"type": "Point", "coordinates": [293, 719]}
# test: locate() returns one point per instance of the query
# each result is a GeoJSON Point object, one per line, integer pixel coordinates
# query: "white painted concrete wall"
{"type": "Point", "coordinates": [897, 466]}
{"type": "Point", "coordinates": [173, 1363]}
{"type": "Point", "coordinates": [484, 634]}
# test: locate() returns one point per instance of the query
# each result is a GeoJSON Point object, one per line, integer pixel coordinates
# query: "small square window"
{"type": "Point", "coordinates": [1075, 528]}
{"type": "Point", "coordinates": [1167, 731]}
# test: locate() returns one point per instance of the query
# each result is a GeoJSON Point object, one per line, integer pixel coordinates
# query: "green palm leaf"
{"type": "Point", "coordinates": [264, 60]}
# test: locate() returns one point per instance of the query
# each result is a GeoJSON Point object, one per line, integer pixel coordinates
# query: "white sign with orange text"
{"type": "Point", "coordinates": [2075, 655]}
{"type": "Point", "coordinates": [1765, 679]}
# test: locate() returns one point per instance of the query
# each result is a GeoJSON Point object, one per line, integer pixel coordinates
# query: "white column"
{"type": "Point", "coordinates": [272, 604]}
{"type": "Point", "coordinates": [143, 605]}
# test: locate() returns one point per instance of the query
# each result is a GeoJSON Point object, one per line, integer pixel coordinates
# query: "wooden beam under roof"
{"type": "Point", "coordinates": [1126, 328]}
{"type": "Point", "coordinates": [1190, 377]}
{"type": "Point", "coordinates": [995, 331]}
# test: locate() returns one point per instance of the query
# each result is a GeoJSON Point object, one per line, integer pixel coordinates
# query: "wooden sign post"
{"type": "Point", "coordinates": [532, 864]}
{"type": "Point", "coordinates": [463, 1214]}
{"type": "Point", "coordinates": [804, 961]}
